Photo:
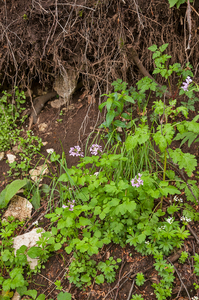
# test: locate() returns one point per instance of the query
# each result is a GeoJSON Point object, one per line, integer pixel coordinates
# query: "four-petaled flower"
{"type": "Point", "coordinates": [76, 151]}
{"type": "Point", "coordinates": [95, 149]}
{"type": "Point", "coordinates": [186, 84]}
{"type": "Point", "coordinates": [71, 205]}
{"type": "Point", "coordinates": [136, 182]}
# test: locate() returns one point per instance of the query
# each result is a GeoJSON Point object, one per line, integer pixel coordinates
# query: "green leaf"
{"type": "Point", "coordinates": [109, 117]}
{"type": "Point", "coordinates": [172, 190]}
{"type": "Point", "coordinates": [99, 279]}
{"type": "Point", "coordinates": [163, 47]}
{"type": "Point", "coordinates": [109, 103]}
{"type": "Point", "coordinates": [64, 177]}
{"type": "Point", "coordinates": [126, 116]}
{"type": "Point", "coordinates": [41, 297]}
{"type": "Point", "coordinates": [11, 190]}
{"type": "Point", "coordinates": [153, 48]}
{"type": "Point", "coordinates": [57, 246]}
{"type": "Point", "coordinates": [101, 106]}
{"type": "Point", "coordinates": [131, 142]}
{"type": "Point", "coordinates": [36, 199]}
{"type": "Point", "coordinates": [85, 278]}
{"type": "Point", "coordinates": [32, 293]}
{"type": "Point", "coordinates": [118, 123]}
{"type": "Point", "coordinates": [7, 284]}
{"type": "Point", "coordinates": [84, 221]}
{"type": "Point", "coordinates": [64, 296]}
{"type": "Point", "coordinates": [129, 99]}
{"type": "Point", "coordinates": [34, 252]}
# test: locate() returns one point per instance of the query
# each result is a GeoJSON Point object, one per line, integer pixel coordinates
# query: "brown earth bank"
{"type": "Point", "coordinates": [41, 39]}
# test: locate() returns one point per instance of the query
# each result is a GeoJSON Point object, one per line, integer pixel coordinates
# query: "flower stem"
{"type": "Point", "coordinates": [164, 172]}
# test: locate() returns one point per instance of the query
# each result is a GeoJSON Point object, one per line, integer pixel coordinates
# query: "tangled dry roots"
{"type": "Point", "coordinates": [45, 37]}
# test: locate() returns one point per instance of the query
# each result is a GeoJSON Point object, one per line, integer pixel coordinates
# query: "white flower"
{"type": "Point", "coordinates": [161, 228]}
{"type": "Point", "coordinates": [177, 199]}
{"type": "Point", "coordinates": [170, 220]}
{"type": "Point", "coordinates": [185, 219]}
{"type": "Point", "coordinates": [96, 173]}
{"type": "Point", "coordinates": [35, 223]}
{"type": "Point", "coordinates": [51, 150]}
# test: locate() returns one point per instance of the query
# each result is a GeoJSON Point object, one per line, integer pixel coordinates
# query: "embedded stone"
{"type": "Point", "coordinates": [28, 239]}
{"type": "Point", "coordinates": [20, 208]}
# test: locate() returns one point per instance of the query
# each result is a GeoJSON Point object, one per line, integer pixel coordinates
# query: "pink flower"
{"type": "Point", "coordinates": [76, 151]}
{"type": "Point", "coordinates": [186, 84]}
{"type": "Point", "coordinates": [136, 182]}
{"type": "Point", "coordinates": [95, 149]}
{"type": "Point", "coordinates": [70, 204]}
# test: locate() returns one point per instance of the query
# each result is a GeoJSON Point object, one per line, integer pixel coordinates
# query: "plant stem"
{"type": "Point", "coordinates": [164, 172]}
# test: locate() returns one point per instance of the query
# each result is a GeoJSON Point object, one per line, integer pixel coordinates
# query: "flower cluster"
{"type": "Point", "coordinates": [136, 182]}
{"type": "Point", "coordinates": [176, 199]}
{"type": "Point", "coordinates": [186, 84]}
{"type": "Point", "coordinates": [185, 219]}
{"type": "Point", "coordinates": [71, 205]}
{"type": "Point", "coordinates": [95, 149]}
{"type": "Point", "coordinates": [76, 151]}
{"type": "Point", "coordinates": [170, 220]}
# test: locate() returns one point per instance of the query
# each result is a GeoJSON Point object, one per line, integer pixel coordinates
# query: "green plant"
{"type": "Point", "coordinates": [177, 2]}
{"type": "Point", "coordinates": [115, 106]}
{"type": "Point", "coordinates": [108, 268]}
{"type": "Point", "coordinates": [9, 118]}
{"type": "Point", "coordinates": [140, 279]}
{"type": "Point", "coordinates": [137, 297]}
{"type": "Point", "coordinates": [196, 286]}
{"type": "Point", "coordinates": [58, 285]}
{"type": "Point", "coordinates": [196, 264]}
{"type": "Point", "coordinates": [10, 263]}
{"type": "Point", "coordinates": [183, 257]}
{"type": "Point", "coordinates": [82, 269]}
{"type": "Point", "coordinates": [165, 270]}
{"type": "Point", "coordinates": [28, 147]}
{"type": "Point", "coordinates": [10, 190]}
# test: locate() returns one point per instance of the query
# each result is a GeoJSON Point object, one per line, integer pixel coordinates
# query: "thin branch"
{"type": "Point", "coordinates": [131, 290]}
{"type": "Point", "coordinates": [71, 4]}
{"type": "Point", "coordinates": [180, 278]}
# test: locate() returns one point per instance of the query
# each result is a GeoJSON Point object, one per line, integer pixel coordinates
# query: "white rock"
{"type": "Point", "coordinates": [16, 296]}
{"type": "Point", "coordinates": [19, 207]}
{"type": "Point", "coordinates": [42, 126]}
{"type": "Point", "coordinates": [15, 149]}
{"type": "Point", "coordinates": [51, 150]}
{"type": "Point", "coordinates": [11, 158]}
{"type": "Point", "coordinates": [36, 174]}
{"type": "Point", "coordinates": [1, 155]}
{"type": "Point", "coordinates": [28, 239]}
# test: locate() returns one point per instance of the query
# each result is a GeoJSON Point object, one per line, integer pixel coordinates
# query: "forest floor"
{"type": "Point", "coordinates": [61, 135]}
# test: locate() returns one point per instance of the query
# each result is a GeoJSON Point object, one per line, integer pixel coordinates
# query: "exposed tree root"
{"type": "Point", "coordinates": [39, 103]}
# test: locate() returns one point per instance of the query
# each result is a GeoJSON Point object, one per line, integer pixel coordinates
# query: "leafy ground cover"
{"type": "Point", "coordinates": [130, 201]}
